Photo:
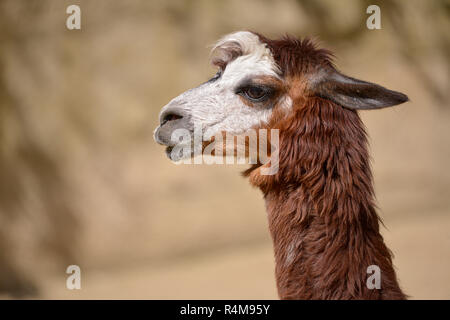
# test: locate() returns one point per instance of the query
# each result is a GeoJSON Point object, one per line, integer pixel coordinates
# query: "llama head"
{"type": "Point", "coordinates": [259, 83]}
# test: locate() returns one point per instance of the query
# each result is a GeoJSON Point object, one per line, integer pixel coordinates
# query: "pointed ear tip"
{"type": "Point", "coordinates": [403, 98]}
{"type": "Point", "coordinates": [399, 98]}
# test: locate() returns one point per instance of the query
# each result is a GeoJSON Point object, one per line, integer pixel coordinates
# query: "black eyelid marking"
{"type": "Point", "coordinates": [249, 82]}
{"type": "Point", "coordinates": [265, 88]}
{"type": "Point", "coordinates": [216, 77]}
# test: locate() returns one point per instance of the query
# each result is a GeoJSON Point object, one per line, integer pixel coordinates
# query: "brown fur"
{"type": "Point", "coordinates": [320, 204]}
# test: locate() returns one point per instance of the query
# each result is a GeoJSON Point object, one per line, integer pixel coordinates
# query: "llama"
{"type": "Point", "coordinates": [320, 202]}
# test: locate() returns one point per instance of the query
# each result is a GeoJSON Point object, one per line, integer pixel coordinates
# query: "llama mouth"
{"type": "Point", "coordinates": [176, 155]}
{"type": "Point", "coordinates": [179, 152]}
{"type": "Point", "coordinates": [169, 151]}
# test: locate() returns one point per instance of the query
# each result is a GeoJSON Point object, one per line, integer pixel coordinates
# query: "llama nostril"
{"type": "Point", "coordinates": [170, 116]}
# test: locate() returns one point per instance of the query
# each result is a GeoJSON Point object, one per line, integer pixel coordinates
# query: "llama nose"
{"type": "Point", "coordinates": [170, 115]}
{"type": "Point", "coordinates": [171, 119]}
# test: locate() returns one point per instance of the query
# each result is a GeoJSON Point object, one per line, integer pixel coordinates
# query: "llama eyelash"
{"type": "Point", "coordinates": [261, 93]}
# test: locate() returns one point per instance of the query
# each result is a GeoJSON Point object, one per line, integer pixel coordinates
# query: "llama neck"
{"type": "Point", "coordinates": [320, 207]}
{"type": "Point", "coordinates": [324, 256]}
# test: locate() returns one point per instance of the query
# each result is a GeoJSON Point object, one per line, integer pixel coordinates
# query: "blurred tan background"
{"type": "Point", "coordinates": [82, 181]}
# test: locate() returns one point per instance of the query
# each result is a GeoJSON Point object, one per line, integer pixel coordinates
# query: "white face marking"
{"type": "Point", "coordinates": [215, 104]}
{"type": "Point", "coordinates": [286, 103]}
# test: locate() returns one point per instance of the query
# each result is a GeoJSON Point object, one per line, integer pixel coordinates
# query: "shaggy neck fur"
{"type": "Point", "coordinates": [320, 207]}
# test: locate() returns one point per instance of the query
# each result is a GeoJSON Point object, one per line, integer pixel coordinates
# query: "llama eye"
{"type": "Point", "coordinates": [256, 94]}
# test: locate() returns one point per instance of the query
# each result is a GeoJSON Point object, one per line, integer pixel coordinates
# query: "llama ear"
{"type": "Point", "coordinates": [353, 93]}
